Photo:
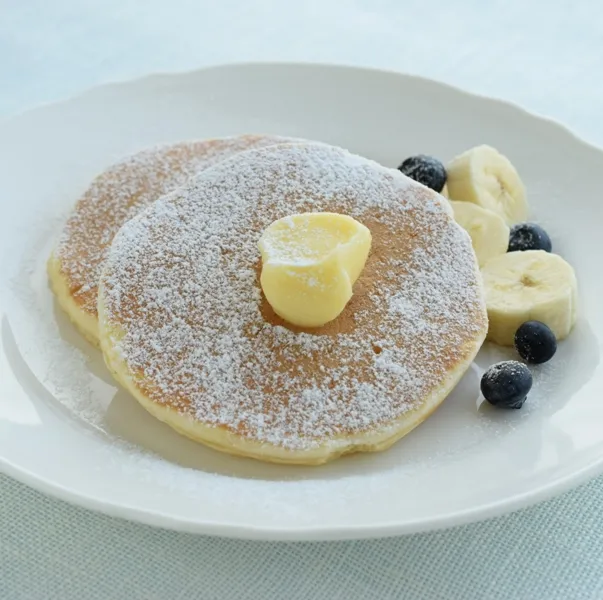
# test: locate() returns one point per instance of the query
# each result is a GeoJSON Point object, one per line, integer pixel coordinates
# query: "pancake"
{"type": "Point", "coordinates": [185, 328]}
{"type": "Point", "coordinates": [115, 196]}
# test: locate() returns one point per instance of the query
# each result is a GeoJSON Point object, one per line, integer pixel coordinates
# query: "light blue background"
{"type": "Point", "coordinates": [546, 56]}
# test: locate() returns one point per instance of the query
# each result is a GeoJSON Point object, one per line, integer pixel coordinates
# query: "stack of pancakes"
{"type": "Point", "coordinates": [159, 266]}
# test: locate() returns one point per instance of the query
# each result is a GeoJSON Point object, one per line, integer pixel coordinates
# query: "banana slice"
{"type": "Point", "coordinates": [444, 192]}
{"type": "Point", "coordinates": [525, 286]}
{"type": "Point", "coordinates": [485, 177]}
{"type": "Point", "coordinates": [488, 231]}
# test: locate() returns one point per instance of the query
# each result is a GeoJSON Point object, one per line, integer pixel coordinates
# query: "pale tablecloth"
{"type": "Point", "coordinates": [546, 56]}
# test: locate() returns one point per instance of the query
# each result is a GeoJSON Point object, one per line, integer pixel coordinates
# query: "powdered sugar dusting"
{"type": "Point", "coordinates": [182, 281]}
{"type": "Point", "coordinates": [124, 190]}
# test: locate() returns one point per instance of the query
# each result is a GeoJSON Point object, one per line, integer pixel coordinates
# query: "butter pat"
{"type": "Point", "coordinates": [310, 262]}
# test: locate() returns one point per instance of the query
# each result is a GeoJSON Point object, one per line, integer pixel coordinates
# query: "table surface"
{"type": "Point", "coordinates": [544, 55]}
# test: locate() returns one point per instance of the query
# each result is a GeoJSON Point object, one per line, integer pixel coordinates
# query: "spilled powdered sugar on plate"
{"type": "Point", "coordinates": [50, 349]}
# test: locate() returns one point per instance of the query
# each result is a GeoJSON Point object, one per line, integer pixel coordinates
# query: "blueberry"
{"type": "Point", "coordinates": [426, 170]}
{"type": "Point", "coordinates": [529, 236]}
{"type": "Point", "coordinates": [506, 384]}
{"type": "Point", "coordinates": [535, 342]}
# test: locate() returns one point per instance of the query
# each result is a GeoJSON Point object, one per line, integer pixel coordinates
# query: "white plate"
{"type": "Point", "coordinates": [67, 429]}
